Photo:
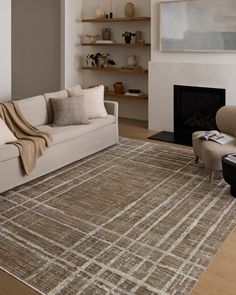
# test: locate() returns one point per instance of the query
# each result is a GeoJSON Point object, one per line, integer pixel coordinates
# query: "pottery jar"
{"type": "Point", "coordinates": [129, 9]}
{"type": "Point", "coordinates": [119, 88]}
{"type": "Point", "coordinates": [106, 34]}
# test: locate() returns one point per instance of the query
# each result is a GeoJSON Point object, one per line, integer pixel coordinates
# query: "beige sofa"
{"type": "Point", "coordinates": [70, 143]}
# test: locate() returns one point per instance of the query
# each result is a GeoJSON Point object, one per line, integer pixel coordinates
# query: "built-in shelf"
{"type": "Point", "coordinates": [116, 69]}
{"type": "Point", "coordinates": [113, 94]}
{"type": "Point", "coordinates": [116, 44]}
{"type": "Point", "coordinates": [118, 19]}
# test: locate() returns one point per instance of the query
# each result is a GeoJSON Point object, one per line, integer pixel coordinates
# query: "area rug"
{"type": "Point", "coordinates": [136, 218]}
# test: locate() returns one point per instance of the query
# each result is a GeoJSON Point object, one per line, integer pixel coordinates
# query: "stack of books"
{"type": "Point", "coordinates": [231, 158]}
{"type": "Point", "coordinates": [134, 92]}
{"type": "Point", "coordinates": [216, 136]}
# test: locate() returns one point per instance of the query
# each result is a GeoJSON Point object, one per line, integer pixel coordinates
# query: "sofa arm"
{"type": "Point", "coordinates": [112, 108]}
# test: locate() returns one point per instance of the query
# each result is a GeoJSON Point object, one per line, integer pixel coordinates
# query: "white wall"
{"type": "Point", "coordinates": [188, 68]}
{"type": "Point", "coordinates": [5, 49]}
{"type": "Point", "coordinates": [71, 30]}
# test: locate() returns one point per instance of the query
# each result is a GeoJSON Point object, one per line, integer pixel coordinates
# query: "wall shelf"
{"type": "Point", "coordinates": [133, 78]}
{"type": "Point", "coordinates": [116, 44]}
{"type": "Point", "coordinates": [118, 19]}
{"type": "Point", "coordinates": [116, 69]}
{"type": "Point", "coordinates": [113, 94]}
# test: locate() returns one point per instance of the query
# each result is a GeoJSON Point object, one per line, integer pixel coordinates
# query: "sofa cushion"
{"type": "Point", "coordinates": [34, 110]}
{"type": "Point", "coordinates": [69, 111]}
{"type": "Point", "coordinates": [94, 100]}
{"type": "Point", "coordinates": [61, 134]}
{"type": "Point", "coordinates": [7, 152]}
{"type": "Point", "coordinates": [5, 133]}
{"type": "Point", "coordinates": [47, 96]}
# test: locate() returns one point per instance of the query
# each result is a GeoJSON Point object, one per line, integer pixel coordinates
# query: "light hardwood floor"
{"type": "Point", "coordinates": [218, 279]}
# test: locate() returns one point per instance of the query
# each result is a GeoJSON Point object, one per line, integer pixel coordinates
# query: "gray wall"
{"type": "Point", "coordinates": [36, 45]}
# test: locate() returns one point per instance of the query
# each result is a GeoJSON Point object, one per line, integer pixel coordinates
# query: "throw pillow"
{"type": "Point", "coordinates": [47, 96]}
{"type": "Point", "coordinates": [94, 100]}
{"type": "Point", "coordinates": [6, 135]}
{"type": "Point", "coordinates": [69, 111]}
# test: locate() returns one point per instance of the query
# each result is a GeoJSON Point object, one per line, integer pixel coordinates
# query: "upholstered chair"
{"type": "Point", "coordinates": [210, 152]}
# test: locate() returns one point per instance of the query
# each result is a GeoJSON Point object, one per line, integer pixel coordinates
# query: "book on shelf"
{"type": "Point", "coordinates": [216, 136]}
{"type": "Point", "coordinates": [105, 42]}
{"type": "Point", "coordinates": [231, 158]}
{"type": "Point", "coordinates": [134, 94]}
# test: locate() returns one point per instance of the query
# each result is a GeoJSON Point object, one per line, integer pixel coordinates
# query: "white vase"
{"type": "Point", "coordinates": [99, 12]}
{"type": "Point", "coordinates": [132, 61]}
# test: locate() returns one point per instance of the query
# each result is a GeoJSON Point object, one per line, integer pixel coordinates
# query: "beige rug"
{"type": "Point", "coordinates": [137, 218]}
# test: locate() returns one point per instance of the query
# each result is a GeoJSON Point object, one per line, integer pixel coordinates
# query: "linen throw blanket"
{"type": "Point", "coordinates": [31, 142]}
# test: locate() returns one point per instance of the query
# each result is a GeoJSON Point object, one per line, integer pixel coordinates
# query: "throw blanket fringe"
{"type": "Point", "coordinates": [31, 142]}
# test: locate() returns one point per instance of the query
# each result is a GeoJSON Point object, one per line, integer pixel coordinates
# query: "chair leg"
{"type": "Point", "coordinates": [211, 176]}
{"type": "Point", "coordinates": [196, 160]}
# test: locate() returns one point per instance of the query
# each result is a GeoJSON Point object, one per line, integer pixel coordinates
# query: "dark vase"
{"type": "Point", "coordinates": [128, 39]}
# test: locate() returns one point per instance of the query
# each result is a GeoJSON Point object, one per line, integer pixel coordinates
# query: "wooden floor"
{"type": "Point", "coordinates": [218, 279]}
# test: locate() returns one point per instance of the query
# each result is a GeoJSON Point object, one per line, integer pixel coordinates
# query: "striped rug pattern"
{"type": "Point", "coordinates": [136, 218]}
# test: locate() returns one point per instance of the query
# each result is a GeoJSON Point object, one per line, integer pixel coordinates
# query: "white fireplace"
{"type": "Point", "coordinates": [164, 75]}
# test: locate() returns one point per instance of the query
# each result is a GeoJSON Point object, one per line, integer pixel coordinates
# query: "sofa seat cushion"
{"type": "Point", "coordinates": [61, 134]}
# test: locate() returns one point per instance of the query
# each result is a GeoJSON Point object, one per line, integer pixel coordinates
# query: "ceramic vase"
{"type": "Point", "coordinates": [129, 9]}
{"type": "Point", "coordinates": [131, 61]}
{"type": "Point", "coordinates": [106, 34]}
{"type": "Point", "coordinates": [128, 39]}
{"type": "Point", "coordinates": [101, 62]}
{"type": "Point", "coordinates": [99, 12]}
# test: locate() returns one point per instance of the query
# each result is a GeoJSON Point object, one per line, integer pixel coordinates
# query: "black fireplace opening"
{"type": "Point", "coordinates": [195, 109]}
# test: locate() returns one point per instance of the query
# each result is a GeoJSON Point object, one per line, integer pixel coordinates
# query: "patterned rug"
{"type": "Point", "coordinates": [137, 218]}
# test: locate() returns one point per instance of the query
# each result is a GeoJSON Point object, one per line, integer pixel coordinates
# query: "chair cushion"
{"type": "Point", "coordinates": [34, 110]}
{"type": "Point", "coordinates": [47, 96]}
{"type": "Point", "coordinates": [69, 111]}
{"type": "Point", "coordinates": [211, 152]}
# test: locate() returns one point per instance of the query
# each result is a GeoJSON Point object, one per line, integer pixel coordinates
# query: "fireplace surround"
{"type": "Point", "coordinates": [194, 109]}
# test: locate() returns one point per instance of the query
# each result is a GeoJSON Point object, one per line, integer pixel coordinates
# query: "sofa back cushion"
{"type": "Point", "coordinates": [47, 96]}
{"type": "Point", "coordinates": [34, 110]}
{"type": "Point", "coordinates": [93, 99]}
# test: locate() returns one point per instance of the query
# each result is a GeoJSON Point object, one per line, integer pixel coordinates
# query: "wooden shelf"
{"type": "Point", "coordinates": [116, 44]}
{"type": "Point", "coordinates": [113, 94]}
{"type": "Point", "coordinates": [118, 19]}
{"type": "Point", "coordinates": [115, 69]}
